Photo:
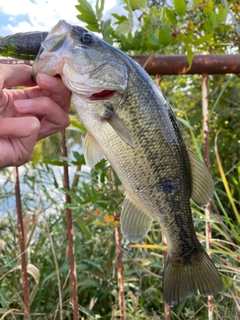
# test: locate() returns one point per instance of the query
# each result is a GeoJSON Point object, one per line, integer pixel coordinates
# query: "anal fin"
{"type": "Point", "coordinates": [135, 224]}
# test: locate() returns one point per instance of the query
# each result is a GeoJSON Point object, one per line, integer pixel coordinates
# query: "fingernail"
{"type": "Point", "coordinates": [23, 104]}
{"type": "Point", "coordinates": [47, 79]}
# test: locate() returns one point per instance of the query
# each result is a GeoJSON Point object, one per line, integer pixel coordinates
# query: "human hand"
{"type": "Point", "coordinates": [30, 114]}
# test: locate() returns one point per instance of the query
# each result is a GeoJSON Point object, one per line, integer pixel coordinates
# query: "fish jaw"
{"type": "Point", "coordinates": [78, 56]}
{"type": "Point", "coordinates": [51, 63]}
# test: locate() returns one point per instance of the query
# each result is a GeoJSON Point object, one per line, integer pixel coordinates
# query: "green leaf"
{"type": "Point", "coordinates": [93, 265]}
{"type": "Point", "coordinates": [185, 38]}
{"type": "Point", "coordinates": [207, 25]}
{"type": "Point", "coordinates": [222, 14]}
{"type": "Point", "coordinates": [99, 9]}
{"type": "Point", "coordinates": [79, 157]}
{"type": "Point", "coordinates": [73, 195]}
{"type": "Point", "coordinates": [184, 122]}
{"type": "Point", "coordinates": [92, 24]}
{"type": "Point", "coordinates": [152, 42]}
{"type": "Point", "coordinates": [137, 4]}
{"type": "Point", "coordinates": [56, 162]}
{"type": "Point", "coordinates": [129, 10]}
{"type": "Point", "coordinates": [190, 55]}
{"type": "Point", "coordinates": [137, 41]}
{"type": "Point", "coordinates": [119, 18]}
{"type": "Point", "coordinates": [203, 39]}
{"type": "Point", "coordinates": [88, 283]}
{"type": "Point", "coordinates": [208, 7]}
{"type": "Point", "coordinates": [107, 31]}
{"type": "Point", "coordinates": [83, 228]}
{"type": "Point", "coordinates": [33, 293]}
{"type": "Point", "coordinates": [88, 19]}
{"type": "Point", "coordinates": [171, 16]}
{"type": "Point", "coordinates": [124, 27]}
{"type": "Point", "coordinates": [88, 15]}
{"type": "Point", "coordinates": [78, 125]}
{"type": "Point", "coordinates": [164, 37]}
{"type": "Point", "coordinates": [93, 28]}
{"type": "Point", "coordinates": [180, 6]}
{"type": "Point", "coordinates": [214, 20]}
{"type": "Point", "coordinates": [85, 7]}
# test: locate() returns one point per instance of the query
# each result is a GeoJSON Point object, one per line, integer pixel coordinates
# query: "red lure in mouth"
{"type": "Point", "coordinates": [102, 94]}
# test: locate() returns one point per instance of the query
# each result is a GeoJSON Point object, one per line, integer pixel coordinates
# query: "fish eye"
{"type": "Point", "coordinates": [87, 38]}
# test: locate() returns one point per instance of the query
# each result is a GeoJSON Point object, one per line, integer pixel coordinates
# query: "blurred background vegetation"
{"type": "Point", "coordinates": [145, 27]}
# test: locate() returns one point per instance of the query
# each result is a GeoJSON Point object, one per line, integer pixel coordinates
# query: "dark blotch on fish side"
{"type": "Point", "coordinates": [166, 186]}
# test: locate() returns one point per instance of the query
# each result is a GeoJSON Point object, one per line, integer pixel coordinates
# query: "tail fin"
{"type": "Point", "coordinates": [181, 278]}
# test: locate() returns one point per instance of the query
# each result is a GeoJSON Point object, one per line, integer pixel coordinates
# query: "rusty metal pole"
{"type": "Point", "coordinates": [208, 227]}
{"type": "Point", "coordinates": [177, 64]}
{"type": "Point", "coordinates": [120, 271]}
{"type": "Point", "coordinates": [22, 245]}
{"type": "Point", "coordinates": [70, 234]}
{"type": "Point", "coordinates": [167, 308]}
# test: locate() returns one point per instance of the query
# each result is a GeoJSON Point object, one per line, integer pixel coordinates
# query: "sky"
{"type": "Point", "coordinates": [40, 15]}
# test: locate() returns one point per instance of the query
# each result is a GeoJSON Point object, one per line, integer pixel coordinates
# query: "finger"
{"type": "Point", "coordinates": [53, 118]}
{"type": "Point", "coordinates": [42, 106]}
{"type": "Point", "coordinates": [19, 127]}
{"type": "Point", "coordinates": [3, 101]}
{"type": "Point", "coordinates": [17, 140]}
{"type": "Point", "coordinates": [15, 75]}
{"type": "Point", "coordinates": [56, 88]}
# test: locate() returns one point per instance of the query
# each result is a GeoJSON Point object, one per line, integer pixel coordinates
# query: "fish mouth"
{"type": "Point", "coordinates": [103, 95]}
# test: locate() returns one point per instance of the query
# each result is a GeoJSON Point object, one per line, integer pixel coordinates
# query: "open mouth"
{"type": "Point", "coordinates": [103, 95]}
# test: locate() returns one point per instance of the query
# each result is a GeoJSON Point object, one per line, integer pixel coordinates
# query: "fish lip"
{"type": "Point", "coordinates": [105, 94]}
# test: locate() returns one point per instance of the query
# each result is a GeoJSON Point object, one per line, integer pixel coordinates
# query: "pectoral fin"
{"type": "Point", "coordinates": [93, 153]}
{"type": "Point", "coordinates": [118, 125]}
{"type": "Point", "coordinates": [135, 224]}
{"type": "Point", "coordinates": [202, 183]}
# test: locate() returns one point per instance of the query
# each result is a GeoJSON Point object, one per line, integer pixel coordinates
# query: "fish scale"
{"type": "Point", "coordinates": [130, 123]}
{"type": "Point", "coordinates": [123, 157]}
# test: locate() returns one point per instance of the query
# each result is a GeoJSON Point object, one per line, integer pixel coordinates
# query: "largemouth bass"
{"type": "Point", "coordinates": [130, 123]}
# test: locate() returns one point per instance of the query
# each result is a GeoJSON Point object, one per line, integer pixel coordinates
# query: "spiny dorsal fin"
{"type": "Point", "coordinates": [181, 278]}
{"type": "Point", "coordinates": [93, 153]}
{"type": "Point", "coordinates": [202, 182]}
{"type": "Point", "coordinates": [135, 224]}
{"type": "Point", "coordinates": [118, 125]}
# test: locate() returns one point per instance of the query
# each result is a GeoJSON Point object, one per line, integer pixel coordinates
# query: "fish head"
{"type": "Point", "coordinates": [89, 67]}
